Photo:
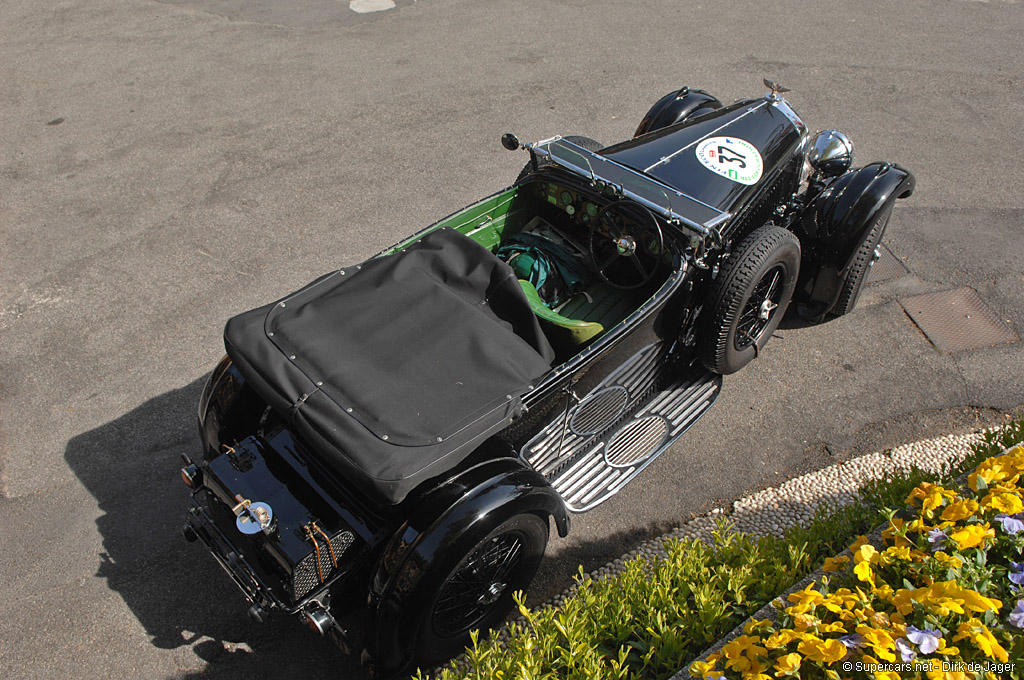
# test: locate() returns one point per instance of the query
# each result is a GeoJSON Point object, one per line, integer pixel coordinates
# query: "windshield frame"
{"type": "Point", "coordinates": [620, 178]}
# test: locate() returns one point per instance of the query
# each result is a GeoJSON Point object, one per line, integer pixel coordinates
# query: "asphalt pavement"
{"type": "Point", "coordinates": [165, 165]}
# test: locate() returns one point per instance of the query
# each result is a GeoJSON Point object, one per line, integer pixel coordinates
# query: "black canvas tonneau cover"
{"type": "Point", "coordinates": [393, 371]}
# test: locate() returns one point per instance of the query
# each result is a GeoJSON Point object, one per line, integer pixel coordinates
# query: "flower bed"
{"type": "Point", "coordinates": [941, 597]}
{"type": "Point", "coordinates": [656, 613]}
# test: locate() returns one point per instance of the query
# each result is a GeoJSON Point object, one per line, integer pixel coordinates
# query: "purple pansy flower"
{"type": "Point", "coordinates": [1017, 615]}
{"type": "Point", "coordinates": [854, 641]}
{"type": "Point", "coordinates": [927, 640]}
{"type": "Point", "coordinates": [906, 650]}
{"type": "Point", "coordinates": [1017, 573]}
{"type": "Point", "coordinates": [937, 537]}
{"type": "Point", "coordinates": [1012, 524]}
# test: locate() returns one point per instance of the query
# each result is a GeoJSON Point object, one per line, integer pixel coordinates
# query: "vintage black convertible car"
{"type": "Point", "coordinates": [396, 437]}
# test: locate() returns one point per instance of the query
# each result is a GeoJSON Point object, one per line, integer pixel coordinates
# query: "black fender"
{"type": "Point", "coordinates": [228, 408]}
{"type": "Point", "coordinates": [839, 218]}
{"type": "Point", "coordinates": [676, 107]}
{"type": "Point", "coordinates": [445, 523]}
{"type": "Point", "coordinates": [835, 223]}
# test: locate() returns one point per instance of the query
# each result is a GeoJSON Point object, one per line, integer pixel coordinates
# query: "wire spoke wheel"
{"type": "Point", "coordinates": [477, 592]}
{"type": "Point", "coordinates": [471, 591]}
{"type": "Point", "coordinates": [749, 298]}
{"type": "Point", "coordinates": [761, 306]}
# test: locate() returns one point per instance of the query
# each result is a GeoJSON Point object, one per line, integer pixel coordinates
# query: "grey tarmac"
{"type": "Point", "coordinates": [164, 165]}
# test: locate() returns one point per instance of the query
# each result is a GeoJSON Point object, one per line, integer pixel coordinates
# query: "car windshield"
{"type": "Point", "coordinates": [669, 203]}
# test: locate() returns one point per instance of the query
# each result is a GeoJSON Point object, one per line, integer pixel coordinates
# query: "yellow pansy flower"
{"type": "Point", "coordinates": [883, 592]}
{"type": "Point", "coordinates": [825, 651]}
{"type": "Point", "coordinates": [834, 627]}
{"type": "Point", "coordinates": [931, 497]}
{"type": "Point", "coordinates": [960, 509]}
{"type": "Point", "coordinates": [787, 665]}
{"type": "Point", "coordinates": [1003, 500]}
{"type": "Point", "coordinates": [948, 560]}
{"type": "Point", "coordinates": [972, 536]}
{"type": "Point", "coordinates": [699, 669]}
{"type": "Point", "coordinates": [756, 671]}
{"type": "Point", "coordinates": [805, 621]}
{"type": "Point", "coordinates": [754, 625]}
{"type": "Point", "coordinates": [881, 641]}
{"type": "Point", "coordinates": [864, 573]}
{"type": "Point", "coordinates": [835, 563]}
{"type": "Point", "coordinates": [804, 600]}
{"type": "Point", "coordinates": [998, 469]}
{"type": "Point", "coordinates": [982, 637]}
{"type": "Point", "coordinates": [861, 540]}
{"type": "Point", "coordinates": [783, 638]}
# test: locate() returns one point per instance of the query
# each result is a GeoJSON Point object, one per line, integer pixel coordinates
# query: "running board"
{"type": "Point", "coordinates": [587, 467]}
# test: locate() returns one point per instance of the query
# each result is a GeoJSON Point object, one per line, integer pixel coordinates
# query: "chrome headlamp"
{"type": "Point", "coordinates": [831, 153]}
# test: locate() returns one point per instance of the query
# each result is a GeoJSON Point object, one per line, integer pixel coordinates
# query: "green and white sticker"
{"type": "Point", "coordinates": [731, 157]}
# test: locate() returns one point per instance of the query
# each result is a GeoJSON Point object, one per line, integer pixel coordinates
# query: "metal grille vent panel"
{"type": "Point", "coordinates": [599, 410]}
{"type": "Point", "coordinates": [579, 466]}
{"type": "Point", "coordinates": [636, 441]}
{"type": "Point", "coordinates": [306, 577]}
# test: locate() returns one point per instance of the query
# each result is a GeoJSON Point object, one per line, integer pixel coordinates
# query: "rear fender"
{"type": "Point", "coordinates": [676, 107]}
{"type": "Point", "coordinates": [446, 523]}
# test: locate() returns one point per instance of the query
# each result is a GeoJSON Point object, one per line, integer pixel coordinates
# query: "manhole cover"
{"type": "Point", "coordinates": [955, 320]}
{"type": "Point", "coordinates": [887, 267]}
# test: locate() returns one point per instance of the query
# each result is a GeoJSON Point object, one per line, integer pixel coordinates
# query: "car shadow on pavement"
{"type": "Point", "coordinates": [179, 594]}
{"type": "Point", "coordinates": [174, 588]}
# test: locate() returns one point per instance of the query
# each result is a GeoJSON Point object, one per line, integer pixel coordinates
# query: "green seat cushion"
{"type": "Point", "coordinates": [602, 304]}
{"type": "Point", "coordinates": [574, 331]}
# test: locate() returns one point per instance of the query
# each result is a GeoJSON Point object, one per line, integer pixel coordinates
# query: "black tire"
{"type": "Point", "coordinates": [749, 298]}
{"type": "Point", "coordinates": [464, 601]}
{"type": "Point", "coordinates": [861, 266]}
{"type": "Point", "coordinates": [586, 142]}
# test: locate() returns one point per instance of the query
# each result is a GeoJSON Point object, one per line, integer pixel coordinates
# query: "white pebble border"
{"type": "Point", "coordinates": [795, 502]}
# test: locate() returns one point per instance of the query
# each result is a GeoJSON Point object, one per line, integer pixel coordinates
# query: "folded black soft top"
{"type": "Point", "coordinates": [395, 369]}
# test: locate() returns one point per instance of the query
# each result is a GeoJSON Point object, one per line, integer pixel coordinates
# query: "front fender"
{"type": "Point", "coordinates": [675, 107]}
{"type": "Point", "coordinates": [841, 215]}
{"type": "Point", "coordinates": [445, 524]}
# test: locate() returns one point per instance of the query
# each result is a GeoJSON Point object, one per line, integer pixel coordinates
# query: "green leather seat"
{"type": "Point", "coordinates": [564, 333]}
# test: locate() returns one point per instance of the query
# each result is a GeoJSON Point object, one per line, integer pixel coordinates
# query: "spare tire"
{"type": "Point", "coordinates": [749, 298]}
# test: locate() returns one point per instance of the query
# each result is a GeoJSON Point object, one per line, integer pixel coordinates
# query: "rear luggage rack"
{"type": "Point", "coordinates": [606, 440]}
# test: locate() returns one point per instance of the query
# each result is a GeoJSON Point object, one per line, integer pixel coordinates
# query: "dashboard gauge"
{"type": "Point", "coordinates": [566, 198]}
{"type": "Point", "coordinates": [591, 209]}
{"type": "Point", "coordinates": [570, 209]}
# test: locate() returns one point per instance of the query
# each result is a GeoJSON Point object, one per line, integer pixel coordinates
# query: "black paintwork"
{"type": "Point", "coordinates": [402, 552]}
{"type": "Point", "coordinates": [759, 122]}
{"type": "Point", "coordinates": [834, 224]}
{"type": "Point", "coordinates": [675, 107]}
{"type": "Point", "coordinates": [440, 529]}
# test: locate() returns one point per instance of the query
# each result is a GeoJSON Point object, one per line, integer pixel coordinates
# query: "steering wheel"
{"type": "Point", "coordinates": [618, 233]}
